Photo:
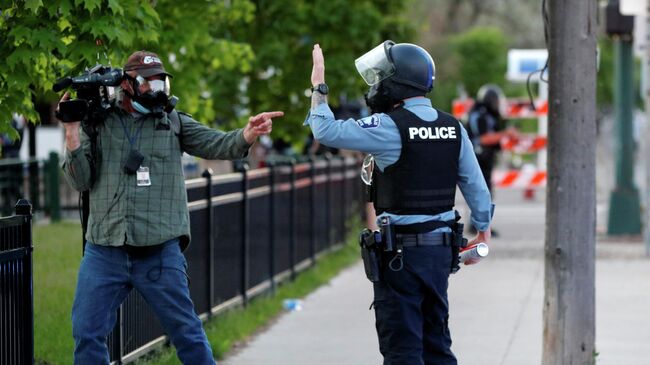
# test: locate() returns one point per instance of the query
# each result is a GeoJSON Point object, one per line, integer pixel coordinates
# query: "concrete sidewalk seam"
{"type": "Point", "coordinates": [520, 315]}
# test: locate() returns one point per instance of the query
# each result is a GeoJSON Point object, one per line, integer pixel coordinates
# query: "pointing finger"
{"type": "Point", "coordinates": [260, 118]}
{"type": "Point", "coordinates": [269, 115]}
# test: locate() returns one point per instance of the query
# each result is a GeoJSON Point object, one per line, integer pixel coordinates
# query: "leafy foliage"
{"type": "Point", "coordinates": [605, 76]}
{"type": "Point", "coordinates": [229, 58]}
{"type": "Point", "coordinates": [481, 56]}
{"type": "Point", "coordinates": [283, 37]}
{"type": "Point", "coordinates": [466, 61]}
{"type": "Point", "coordinates": [606, 81]}
{"type": "Point", "coordinates": [40, 42]}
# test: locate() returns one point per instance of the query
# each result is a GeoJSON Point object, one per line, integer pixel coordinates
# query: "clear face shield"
{"type": "Point", "coordinates": [375, 66]}
{"type": "Point", "coordinates": [367, 167]}
{"type": "Point", "coordinates": [160, 84]}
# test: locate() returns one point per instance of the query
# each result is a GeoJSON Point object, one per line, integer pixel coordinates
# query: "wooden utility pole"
{"type": "Point", "coordinates": [569, 301]}
{"type": "Point", "coordinates": [646, 60]}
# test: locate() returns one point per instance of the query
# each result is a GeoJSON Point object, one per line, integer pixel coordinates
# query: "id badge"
{"type": "Point", "coordinates": [142, 176]}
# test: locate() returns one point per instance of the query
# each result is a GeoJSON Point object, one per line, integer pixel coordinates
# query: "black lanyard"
{"type": "Point", "coordinates": [133, 140]}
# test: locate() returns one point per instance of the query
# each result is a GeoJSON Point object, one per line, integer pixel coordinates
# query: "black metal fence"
{"type": "Point", "coordinates": [16, 299]}
{"type": "Point", "coordinates": [39, 181]}
{"type": "Point", "coordinates": [250, 230]}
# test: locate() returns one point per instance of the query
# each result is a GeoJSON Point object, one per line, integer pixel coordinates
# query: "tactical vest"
{"type": "Point", "coordinates": [423, 180]}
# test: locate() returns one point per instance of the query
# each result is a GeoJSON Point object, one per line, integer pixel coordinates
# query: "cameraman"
{"type": "Point", "coordinates": [139, 222]}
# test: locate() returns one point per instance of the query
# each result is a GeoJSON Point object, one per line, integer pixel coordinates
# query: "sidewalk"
{"type": "Point", "coordinates": [496, 306]}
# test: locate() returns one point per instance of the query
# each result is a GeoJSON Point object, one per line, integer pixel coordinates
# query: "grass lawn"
{"type": "Point", "coordinates": [57, 253]}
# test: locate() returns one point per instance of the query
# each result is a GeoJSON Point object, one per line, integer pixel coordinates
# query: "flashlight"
{"type": "Point", "coordinates": [477, 251]}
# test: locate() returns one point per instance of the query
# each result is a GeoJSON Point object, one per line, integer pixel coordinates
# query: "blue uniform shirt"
{"type": "Point", "coordinates": [377, 134]}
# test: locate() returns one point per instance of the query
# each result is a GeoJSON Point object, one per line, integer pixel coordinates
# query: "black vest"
{"type": "Point", "coordinates": [423, 180]}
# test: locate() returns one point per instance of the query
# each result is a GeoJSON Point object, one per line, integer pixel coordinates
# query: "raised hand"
{"type": "Point", "coordinates": [318, 70]}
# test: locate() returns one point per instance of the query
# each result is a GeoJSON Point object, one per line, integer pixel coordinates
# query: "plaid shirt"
{"type": "Point", "coordinates": [121, 212]}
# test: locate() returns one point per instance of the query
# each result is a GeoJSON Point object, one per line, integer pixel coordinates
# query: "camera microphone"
{"type": "Point", "coordinates": [111, 78]}
{"type": "Point", "coordinates": [62, 84]}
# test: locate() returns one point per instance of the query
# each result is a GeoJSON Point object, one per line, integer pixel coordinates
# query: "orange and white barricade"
{"type": "Point", "coordinates": [524, 144]}
{"type": "Point", "coordinates": [514, 108]}
{"type": "Point", "coordinates": [530, 176]}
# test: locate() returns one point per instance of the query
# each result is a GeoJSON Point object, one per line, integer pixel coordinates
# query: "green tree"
{"type": "Point", "coordinates": [282, 36]}
{"type": "Point", "coordinates": [605, 77]}
{"type": "Point", "coordinates": [196, 43]}
{"type": "Point", "coordinates": [40, 42]}
{"type": "Point", "coordinates": [520, 19]}
{"type": "Point", "coordinates": [481, 57]}
{"type": "Point", "coordinates": [229, 58]}
{"type": "Point", "coordinates": [468, 60]}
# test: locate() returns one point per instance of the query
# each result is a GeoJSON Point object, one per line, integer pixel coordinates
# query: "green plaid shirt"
{"type": "Point", "coordinates": [121, 212]}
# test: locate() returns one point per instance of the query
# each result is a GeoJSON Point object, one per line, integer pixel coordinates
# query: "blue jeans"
{"type": "Point", "coordinates": [107, 275]}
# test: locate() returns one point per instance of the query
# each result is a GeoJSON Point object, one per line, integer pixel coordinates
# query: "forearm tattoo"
{"type": "Point", "coordinates": [317, 99]}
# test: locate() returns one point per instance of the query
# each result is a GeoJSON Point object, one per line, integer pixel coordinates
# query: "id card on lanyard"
{"type": "Point", "coordinates": [142, 173]}
{"type": "Point", "coordinates": [142, 176]}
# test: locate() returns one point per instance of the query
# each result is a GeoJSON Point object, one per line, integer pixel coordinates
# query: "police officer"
{"type": "Point", "coordinates": [486, 131]}
{"type": "Point", "coordinates": [420, 154]}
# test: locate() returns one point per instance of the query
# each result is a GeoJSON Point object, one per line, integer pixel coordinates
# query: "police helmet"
{"type": "Point", "coordinates": [404, 70]}
{"type": "Point", "coordinates": [491, 96]}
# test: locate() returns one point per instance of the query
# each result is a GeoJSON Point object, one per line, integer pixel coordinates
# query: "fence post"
{"type": "Point", "coordinates": [120, 334]}
{"type": "Point", "coordinates": [242, 166]}
{"type": "Point", "coordinates": [292, 220]}
{"type": "Point", "coordinates": [342, 212]}
{"type": "Point", "coordinates": [272, 221]}
{"type": "Point", "coordinates": [34, 183]}
{"type": "Point", "coordinates": [53, 198]}
{"type": "Point", "coordinates": [312, 210]}
{"type": "Point", "coordinates": [207, 174]}
{"type": "Point", "coordinates": [328, 200]}
{"type": "Point", "coordinates": [24, 209]}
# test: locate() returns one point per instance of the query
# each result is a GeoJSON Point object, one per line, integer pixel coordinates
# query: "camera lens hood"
{"type": "Point", "coordinates": [72, 110]}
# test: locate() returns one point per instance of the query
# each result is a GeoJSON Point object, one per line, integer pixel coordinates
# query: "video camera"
{"type": "Point", "coordinates": [95, 94]}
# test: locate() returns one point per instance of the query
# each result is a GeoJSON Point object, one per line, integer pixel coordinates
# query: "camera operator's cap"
{"type": "Point", "coordinates": [146, 64]}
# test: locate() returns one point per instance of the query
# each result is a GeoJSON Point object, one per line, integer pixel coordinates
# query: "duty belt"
{"type": "Point", "coordinates": [424, 239]}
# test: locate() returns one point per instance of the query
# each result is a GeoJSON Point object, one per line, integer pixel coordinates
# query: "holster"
{"type": "Point", "coordinates": [369, 241]}
{"type": "Point", "coordinates": [457, 242]}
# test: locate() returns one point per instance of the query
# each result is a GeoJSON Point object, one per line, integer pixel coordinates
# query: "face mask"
{"type": "Point", "coordinates": [139, 108]}
{"type": "Point", "coordinates": [378, 100]}
{"type": "Point", "coordinates": [152, 100]}
{"type": "Point", "coordinates": [155, 100]}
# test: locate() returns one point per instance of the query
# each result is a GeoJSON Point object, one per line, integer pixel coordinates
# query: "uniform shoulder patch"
{"type": "Point", "coordinates": [372, 121]}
